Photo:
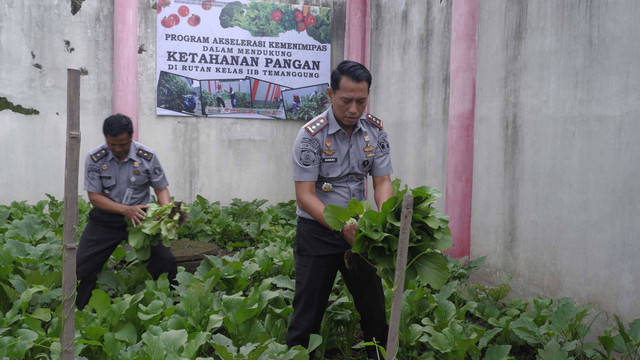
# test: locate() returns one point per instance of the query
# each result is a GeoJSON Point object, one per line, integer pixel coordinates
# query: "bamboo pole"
{"type": "Point", "coordinates": [401, 266]}
{"type": "Point", "coordinates": [70, 231]}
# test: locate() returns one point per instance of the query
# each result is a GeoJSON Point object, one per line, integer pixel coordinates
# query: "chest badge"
{"type": "Point", "coordinates": [136, 172]}
{"type": "Point", "coordinates": [136, 164]}
{"type": "Point", "coordinates": [368, 148]}
{"type": "Point", "coordinates": [328, 151]}
{"type": "Point", "coordinates": [105, 167]}
{"type": "Point", "coordinates": [326, 187]}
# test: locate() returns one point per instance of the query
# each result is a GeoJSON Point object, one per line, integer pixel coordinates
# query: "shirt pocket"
{"type": "Point", "coordinates": [142, 179]}
{"type": "Point", "coordinates": [108, 181]}
{"type": "Point", "coordinates": [329, 167]}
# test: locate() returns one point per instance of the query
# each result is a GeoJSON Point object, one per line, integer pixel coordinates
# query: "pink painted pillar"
{"type": "Point", "coordinates": [462, 96]}
{"type": "Point", "coordinates": [357, 32]}
{"type": "Point", "coordinates": [125, 60]}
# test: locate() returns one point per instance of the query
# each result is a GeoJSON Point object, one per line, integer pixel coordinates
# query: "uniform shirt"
{"type": "Point", "coordinates": [339, 164]}
{"type": "Point", "coordinates": [106, 175]}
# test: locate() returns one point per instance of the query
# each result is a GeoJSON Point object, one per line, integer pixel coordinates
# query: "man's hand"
{"type": "Point", "coordinates": [135, 213]}
{"type": "Point", "coordinates": [349, 233]}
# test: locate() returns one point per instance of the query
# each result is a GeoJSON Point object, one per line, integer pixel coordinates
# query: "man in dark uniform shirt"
{"type": "Point", "coordinates": [332, 156]}
{"type": "Point", "coordinates": [118, 175]}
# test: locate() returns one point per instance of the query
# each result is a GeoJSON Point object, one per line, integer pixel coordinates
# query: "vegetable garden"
{"type": "Point", "coordinates": [237, 304]}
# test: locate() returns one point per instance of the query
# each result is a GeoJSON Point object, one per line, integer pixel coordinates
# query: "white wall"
{"type": "Point", "coordinates": [34, 59]}
{"type": "Point", "coordinates": [410, 46]}
{"type": "Point", "coordinates": [556, 196]}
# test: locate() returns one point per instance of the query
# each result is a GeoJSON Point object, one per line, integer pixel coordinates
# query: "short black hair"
{"type": "Point", "coordinates": [117, 124]}
{"type": "Point", "coordinates": [351, 69]}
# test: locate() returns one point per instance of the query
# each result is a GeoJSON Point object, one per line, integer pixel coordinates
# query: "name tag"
{"type": "Point", "coordinates": [329, 160]}
{"type": "Point", "coordinates": [105, 176]}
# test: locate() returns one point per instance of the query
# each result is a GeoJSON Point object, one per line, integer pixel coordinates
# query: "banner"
{"type": "Point", "coordinates": [243, 59]}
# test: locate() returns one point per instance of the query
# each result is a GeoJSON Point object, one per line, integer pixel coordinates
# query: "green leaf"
{"type": "Point", "coordinates": [388, 206]}
{"type": "Point", "coordinates": [433, 222]}
{"type": "Point", "coordinates": [94, 332]}
{"type": "Point", "coordinates": [443, 239]}
{"type": "Point", "coordinates": [150, 226]}
{"type": "Point", "coordinates": [335, 216]}
{"type": "Point", "coordinates": [127, 333]}
{"type": "Point", "coordinates": [487, 336]}
{"type": "Point", "coordinates": [526, 329]}
{"type": "Point", "coordinates": [137, 238]}
{"type": "Point", "coordinates": [354, 208]}
{"type": "Point", "coordinates": [607, 343]}
{"type": "Point", "coordinates": [634, 331]}
{"type": "Point", "coordinates": [444, 312]}
{"type": "Point", "coordinates": [143, 253]}
{"type": "Point", "coordinates": [173, 340]}
{"type": "Point", "coordinates": [315, 341]}
{"type": "Point", "coordinates": [223, 346]}
{"type": "Point", "coordinates": [41, 314]}
{"type": "Point", "coordinates": [27, 335]}
{"type": "Point", "coordinates": [432, 269]}
{"type": "Point", "coordinates": [215, 322]}
{"type": "Point", "coordinates": [552, 351]}
{"type": "Point", "coordinates": [244, 314]}
{"type": "Point", "coordinates": [497, 352]}
{"type": "Point", "coordinates": [426, 192]}
{"type": "Point", "coordinates": [194, 344]}
{"type": "Point", "coordinates": [101, 302]}
{"type": "Point", "coordinates": [442, 341]}
{"type": "Point", "coordinates": [154, 347]}
{"type": "Point", "coordinates": [112, 346]}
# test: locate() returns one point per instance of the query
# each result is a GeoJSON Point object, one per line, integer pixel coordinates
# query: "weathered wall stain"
{"type": "Point", "coordinates": [36, 65]}
{"type": "Point", "coordinates": [5, 104]}
{"type": "Point", "coordinates": [75, 6]}
{"type": "Point", "coordinates": [67, 46]}
{"type": "Point", "coordinates": [515, 22]}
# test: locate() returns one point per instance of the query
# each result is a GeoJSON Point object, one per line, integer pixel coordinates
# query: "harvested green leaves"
{"type": "Point", "coordinates": [378, 232]}
{"type": "Point", "coordinates": [159, 226]}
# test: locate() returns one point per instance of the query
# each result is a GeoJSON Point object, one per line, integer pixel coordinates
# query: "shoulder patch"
{"type": "Point", "coordinates": [145, 155]}
{"type": "Point", "coordinates": [316, 125]}
{"type": "Point", "coordinates": [375, 121]}
{"type": "Point", "coordinates": [98, 155]}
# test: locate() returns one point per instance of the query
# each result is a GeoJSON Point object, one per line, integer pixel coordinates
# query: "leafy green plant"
{"type": "Point", "coordinates": [377, 234]}
{"type": "Point", "coordinates": [239, 224]}
{"type": "Point", "coordinates": [159, 226]}
{"type": "Point", "coordinates": [619, 339]}
{"type": "Point", "coordinates": [237, 305]}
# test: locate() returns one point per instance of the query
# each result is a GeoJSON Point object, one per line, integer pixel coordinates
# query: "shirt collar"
{"type": "Point", "coordinates": [334, 127]}
{"type": "Point", "coordinates": [132, 152]}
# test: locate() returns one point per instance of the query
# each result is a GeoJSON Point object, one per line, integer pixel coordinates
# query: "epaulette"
{"type": "Point", "coordinates": [145, 154]}
{"type": "Point", "coordinates": [98, 155]}
{"type": "Point", "coordinates": [316, 125]}
{"type": "Point", "coordinates": [375, 121]}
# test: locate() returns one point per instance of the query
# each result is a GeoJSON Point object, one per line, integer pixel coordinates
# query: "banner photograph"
{"type": "Point", "coordinates": [243, 59]}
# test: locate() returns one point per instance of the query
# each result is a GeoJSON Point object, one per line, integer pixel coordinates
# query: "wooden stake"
{"type": "Point", "coordinates": [401, 266]}
{"type": "Point", "coordinates": [70, 231]}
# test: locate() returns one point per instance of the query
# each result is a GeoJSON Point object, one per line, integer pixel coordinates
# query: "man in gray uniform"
{"type": "Point", "coordinates": [118, 175]}
{"type": "Point", "coordinates": [332, 156]}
